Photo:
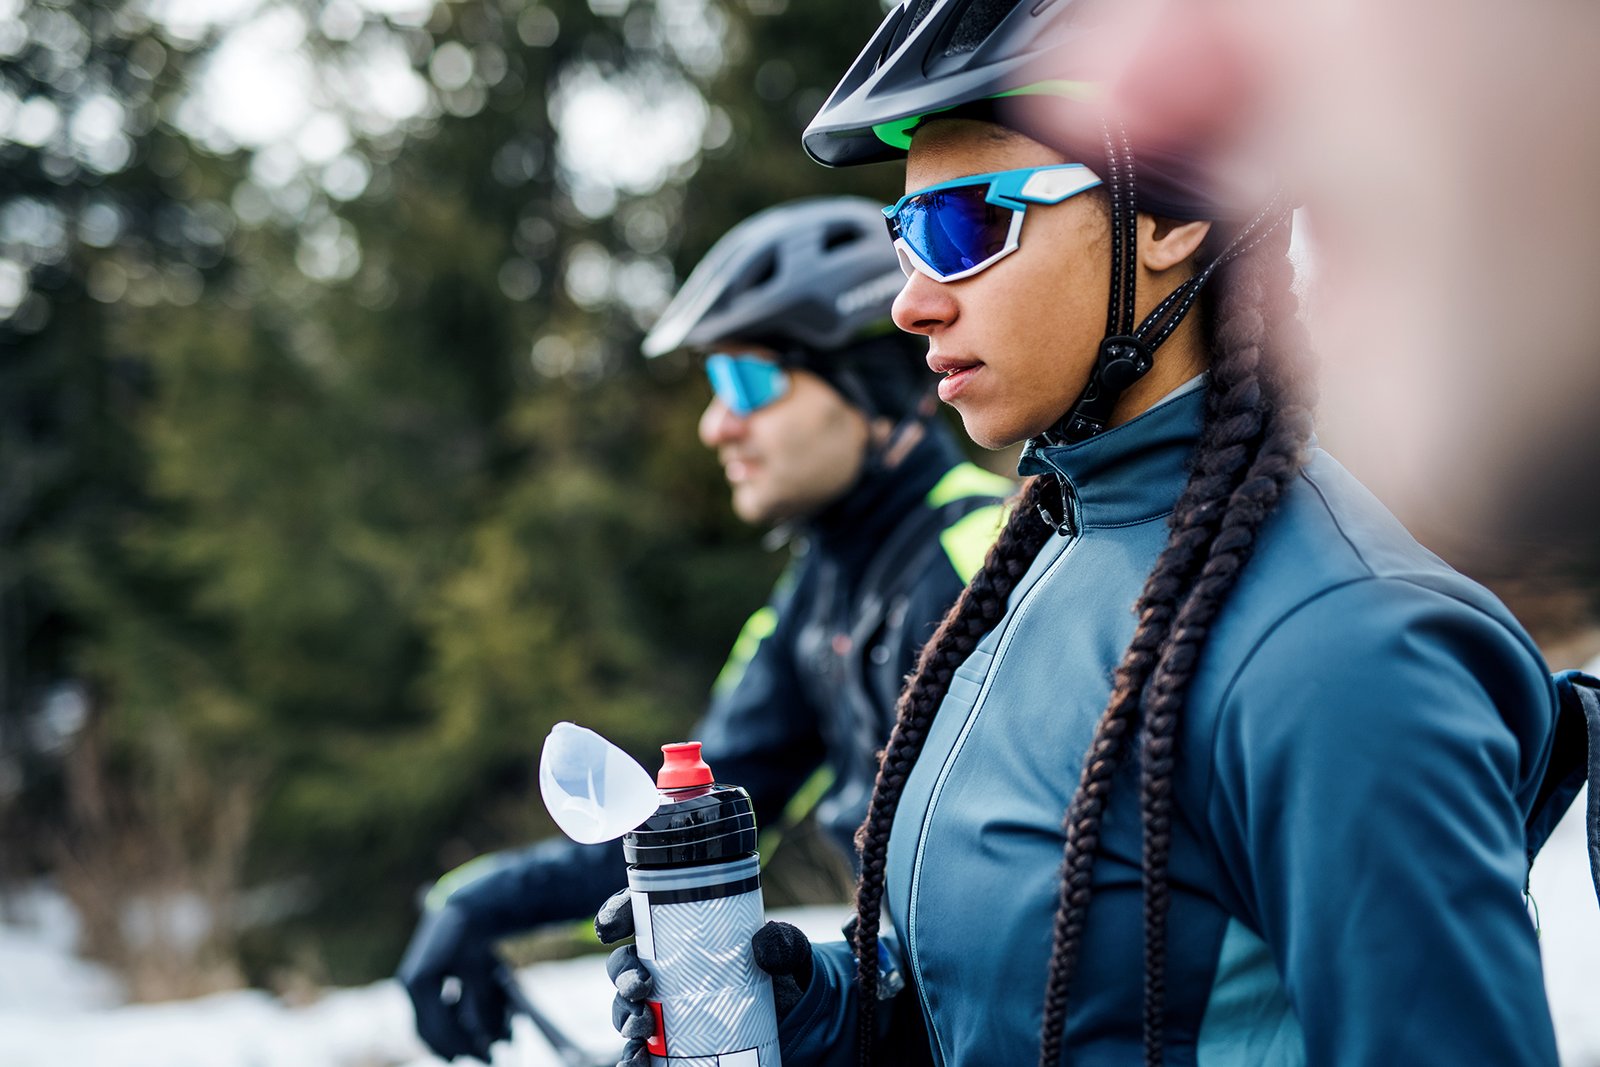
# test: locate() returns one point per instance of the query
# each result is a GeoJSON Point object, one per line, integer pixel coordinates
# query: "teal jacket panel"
{"type": "Point", "coordinates": [1357, 758]}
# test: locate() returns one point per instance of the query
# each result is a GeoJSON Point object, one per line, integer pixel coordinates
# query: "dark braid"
{"type": "Point", "coordinates": [1257, 426]}
{"type": "Point", "coordinates": [1232, 424]}
{"type": "Point", "coordinates": [980, 607]}
{"type": "Point", "coordinates": [1258, 327]}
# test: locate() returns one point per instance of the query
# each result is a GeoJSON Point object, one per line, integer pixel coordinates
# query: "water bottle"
{"type": "Point", "coordinates": [695, 879]}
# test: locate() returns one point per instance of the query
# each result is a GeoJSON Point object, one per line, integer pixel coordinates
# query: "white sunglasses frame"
{"type": "Point", "coordinates": [1042, 185]}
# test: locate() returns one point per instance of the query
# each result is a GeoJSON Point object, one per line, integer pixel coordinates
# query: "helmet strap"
{"type": "Point", "coordinates": [1128, 353]}
{"type": "Point", "coordinates": [1123, 357]}
{"type": "Point", "coordinates": [884, 451]}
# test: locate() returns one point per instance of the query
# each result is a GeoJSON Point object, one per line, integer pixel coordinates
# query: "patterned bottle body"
{"type": "Point", "coordinates": [695, 880]}
{"type": "Point", "coordinates": [693, 927]}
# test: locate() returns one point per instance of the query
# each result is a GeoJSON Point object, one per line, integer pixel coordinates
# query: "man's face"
{"type": "Point", "coordinates": [792, 457]}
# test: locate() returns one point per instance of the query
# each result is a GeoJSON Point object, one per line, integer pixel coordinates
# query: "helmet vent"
{"type": "Point", "coordinates": [974, 25]}
{"type": "Point", "coordinates": [918, 13]}
{"type": "Point", "coordinates": [839, 235]}
{"type": "Point", "coordinates": [762, 271]}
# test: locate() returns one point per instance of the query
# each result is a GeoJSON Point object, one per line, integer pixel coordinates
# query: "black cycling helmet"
{"type": "Point", "coordinates": [814, 280]}
{"type": "Point", "coordinates": [980, 58]}
{"type": "Point", "coordinates": [930, 56]}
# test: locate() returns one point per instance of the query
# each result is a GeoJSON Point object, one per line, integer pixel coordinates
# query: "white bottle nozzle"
{"type": "Point", "coordinates": [594, 791]}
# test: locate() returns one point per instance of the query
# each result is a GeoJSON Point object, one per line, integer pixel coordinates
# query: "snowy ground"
{"type": "Point", "coordinates": [1569, 921]}
{"type": "Point", "coordinates": [57, 1011]}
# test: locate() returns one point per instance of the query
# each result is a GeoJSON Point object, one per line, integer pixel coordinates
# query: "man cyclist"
{"type": "Point", "coordinates": [822, 421]}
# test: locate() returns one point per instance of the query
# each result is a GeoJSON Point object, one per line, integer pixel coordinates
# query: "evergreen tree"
{"type": "Point", "coordinates": [331, 486]}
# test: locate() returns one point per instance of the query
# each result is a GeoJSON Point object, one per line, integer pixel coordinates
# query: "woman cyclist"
{"type": "Point", "coordinates": [1211, 763]}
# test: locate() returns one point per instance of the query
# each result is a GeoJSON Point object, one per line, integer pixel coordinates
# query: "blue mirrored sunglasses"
{"type": "Point", "coordinates": [746, 383]}
{"type": "Point", "coordinates": [955, 229]}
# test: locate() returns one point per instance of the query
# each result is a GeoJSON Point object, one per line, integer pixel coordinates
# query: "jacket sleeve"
{"type": "Point", "coordinates": [759, 732]}
{"type": "Point", "coordinates": [509, 892]}
{"type": "Point", "coordinates": [821, 1030]}
{"type": "Point", "coordinates": [1375, 759]}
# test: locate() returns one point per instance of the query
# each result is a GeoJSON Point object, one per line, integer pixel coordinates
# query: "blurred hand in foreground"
{"type": "Point", "coordinates": [449, 972]}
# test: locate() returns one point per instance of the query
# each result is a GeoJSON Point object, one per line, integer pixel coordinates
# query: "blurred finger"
{"type": "Point", "coordinates": [780, 948]}
{"type": "Point", "coordinates": [477, 1028]}
{"type": "Point", "coordinates": [624, 965]}
{"type": "Point", "coordinates": [438, 1028]}
{"type": "Point", "coordinates": [614, 921]}
{"type": "Point", "coordinates": [625, 1016]}
{"type": "Point", "coordinates": [638, 1026]}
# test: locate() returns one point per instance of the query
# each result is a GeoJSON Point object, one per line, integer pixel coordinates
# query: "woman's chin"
{"type": "Point", "coordinates": [988, 431]}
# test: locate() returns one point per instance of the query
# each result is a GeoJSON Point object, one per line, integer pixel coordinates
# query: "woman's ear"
{"type": "Point", "coordinates": [1165, 243]}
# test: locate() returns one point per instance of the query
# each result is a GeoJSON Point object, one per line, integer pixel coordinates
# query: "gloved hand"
{"type": "Point", "coordinates": [783, 952]}
{"type": "Point", "coordinates": [780, 949]}
{"type": "Point", "coordinates": [629, 1012]}
{"type": "Point", "coordinates": [449, 973]}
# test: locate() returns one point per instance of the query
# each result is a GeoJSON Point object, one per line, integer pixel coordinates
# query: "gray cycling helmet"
{"type": "Point", "coordinates": [816, 274]}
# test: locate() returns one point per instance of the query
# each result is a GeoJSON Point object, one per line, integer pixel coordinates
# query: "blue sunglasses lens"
{"type": "Point", "coordinates": [954, 229]}
{"type": "Point", "coordinates": [746, 383]}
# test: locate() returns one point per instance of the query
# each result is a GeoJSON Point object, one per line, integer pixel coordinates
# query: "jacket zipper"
{"type": "Point", "coordinates": [1008, 629]}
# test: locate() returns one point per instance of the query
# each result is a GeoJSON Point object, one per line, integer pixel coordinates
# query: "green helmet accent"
{"type": "Point", "coordinates": [897, 132]}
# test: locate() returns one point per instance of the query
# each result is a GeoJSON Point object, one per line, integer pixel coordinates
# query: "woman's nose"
{"type": "Point", "coordinates": [923, 305]}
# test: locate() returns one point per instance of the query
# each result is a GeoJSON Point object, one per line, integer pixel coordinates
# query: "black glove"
{"type": "Point", "coordinates": [780, 949]}
{"type": "Point", "coordinates": [473, 1012]}
{"type": "Point", "coordinates": [783, 952]}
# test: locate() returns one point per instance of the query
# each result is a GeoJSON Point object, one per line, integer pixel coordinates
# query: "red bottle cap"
{"type": "Point", "coordinates": [683, 767]}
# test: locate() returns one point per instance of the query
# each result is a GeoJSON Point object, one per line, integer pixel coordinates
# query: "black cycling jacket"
{"type": "Point", "coordinates": [812, 679]}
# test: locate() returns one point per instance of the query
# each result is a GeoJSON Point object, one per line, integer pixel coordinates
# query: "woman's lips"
{"type": "Point", "coordinates": [958, 375]}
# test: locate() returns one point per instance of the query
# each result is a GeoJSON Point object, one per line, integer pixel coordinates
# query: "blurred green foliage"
{"type": "Point", "coordinates": [324, 497]}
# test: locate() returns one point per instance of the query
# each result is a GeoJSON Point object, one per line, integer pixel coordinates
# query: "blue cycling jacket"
{"type": "Point", "coordinates": [1357, 760]}
{"type": "Point", "coordinates": [812, 679]}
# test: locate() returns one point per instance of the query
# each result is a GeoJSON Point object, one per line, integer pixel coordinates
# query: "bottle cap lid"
{"type": "Point", "coordinates": [683, 767]}
{"type": "Point", "coordinates": [594, 790]}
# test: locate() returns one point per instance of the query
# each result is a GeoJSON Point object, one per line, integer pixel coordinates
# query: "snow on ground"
{"type": "Point", "coordinates": [38, 972]}
{"type": "Point", "coordinates": [58, 1011]}
{"type": "Point", "coordinates": [1569, 937]}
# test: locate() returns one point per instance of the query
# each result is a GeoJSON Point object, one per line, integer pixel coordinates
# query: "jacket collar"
{"type": "Point", "coordinates": [1133, 472]}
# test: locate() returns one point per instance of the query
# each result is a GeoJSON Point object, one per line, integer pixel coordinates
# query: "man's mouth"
{"type": "Point", "coordinates": [738, 469]}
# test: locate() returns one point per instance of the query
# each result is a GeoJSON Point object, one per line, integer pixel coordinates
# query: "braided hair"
{"type": "Point", "coordinates": [1257, 425]}
{"type": "Point", "coordinates": [976, 612]}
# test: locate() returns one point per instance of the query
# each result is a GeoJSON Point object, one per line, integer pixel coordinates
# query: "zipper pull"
{"type": "Point", "coordinates": [1062, 526]}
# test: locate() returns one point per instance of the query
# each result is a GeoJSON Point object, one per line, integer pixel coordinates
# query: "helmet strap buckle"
{"type": "Point", "coordinates": [1121, 361]}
